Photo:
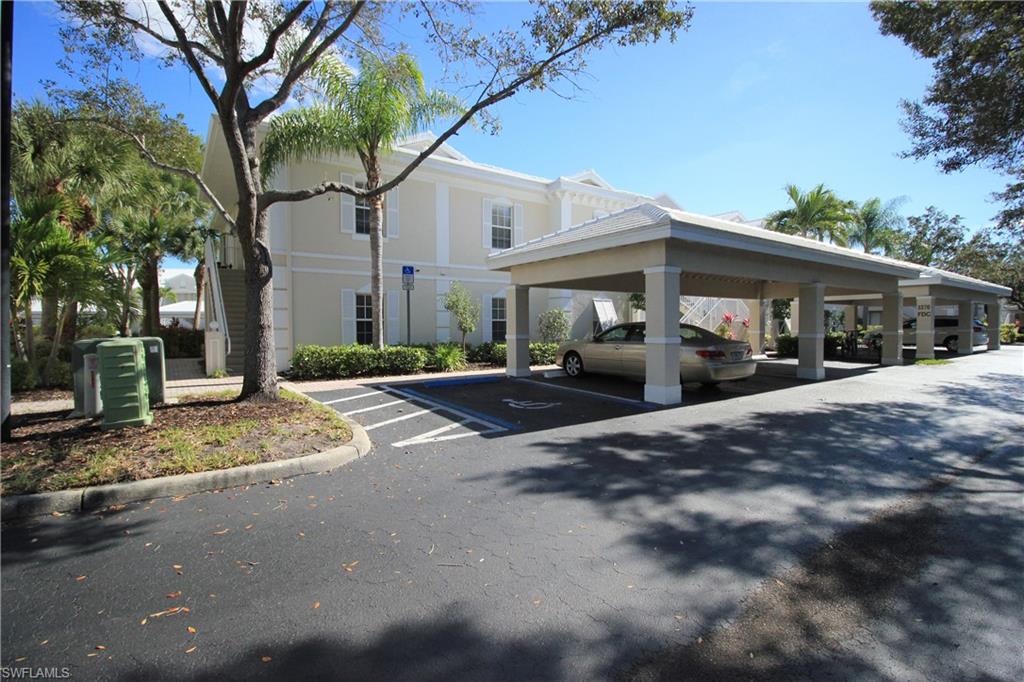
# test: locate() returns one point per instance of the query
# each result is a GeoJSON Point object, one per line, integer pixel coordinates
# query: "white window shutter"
{"type": "Point", "coordinates": [391, 214]}
{"type": "Point", "coordinates": [348, 210]}
{"type": "Point", "coordinates": [487, 224]}
{"type": "Point", "coordinates": [517, 223]}
{"type": "Point", "coordinates": [348, 316]}
{"type": "Point", "coordinates": [487, 319]}
{"type": "Point", "coordinates": [394, 330]}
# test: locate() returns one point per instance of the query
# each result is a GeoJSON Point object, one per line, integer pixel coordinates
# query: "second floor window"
{"type": "Point", "coordinates": [362, 211]}
{"type": "Point", "coordinates": [501, 226]}
{"type": "Point", "coordinates": [364, 318]}
{"type": "Point", "coordinates": [498, 320]}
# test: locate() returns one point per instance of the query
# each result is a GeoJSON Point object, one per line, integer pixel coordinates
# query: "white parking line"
{"type": "Point", "coordinates": [371, 427]}
{"type": "Point", "coordinates": [372, 407]}
{"type": "Point", "coordinates": [429, 435]}
{"type": "Point", "coordinates": [443, 408]}
{"type": "Point", "coordinates": [351, 397]}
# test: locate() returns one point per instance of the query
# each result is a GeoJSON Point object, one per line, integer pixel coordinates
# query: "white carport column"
{"type": "Point", "coordinates": [892, 329]}
{"type": "Point", "coordinates": [850, 318]}
{"type": "Point", "coordinates": [994, 312]}
{"type": "Point", "coordinates": [925, 339]}
{"type": "Point", "coordinates": [811, 332]}
{"type": "Point", "coordinates": [965, 328]}
{"type": "Point", "coordinates": [662, 341]}
{"type": "Point", "coordinates": [518, 336]}
{"type": "Point", "coordinates": [758, 320]}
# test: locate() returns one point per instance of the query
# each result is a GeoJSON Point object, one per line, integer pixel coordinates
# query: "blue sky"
{"type": "Point", "coordinates": [752, 97]}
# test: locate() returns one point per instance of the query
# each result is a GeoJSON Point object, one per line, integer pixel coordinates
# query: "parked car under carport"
{"type": "Point", "coordinates": [704, 357]}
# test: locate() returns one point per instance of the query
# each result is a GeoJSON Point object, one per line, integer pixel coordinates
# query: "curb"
{"type": "Point", "coordinates": [98, 497]}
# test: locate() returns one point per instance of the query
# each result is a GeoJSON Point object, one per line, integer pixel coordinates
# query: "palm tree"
{"type": "Point", "coordinates": [365, 114]}
{"type": "Point", "coordinates": [876, 225]}
{"type": "Point", "coordinates": [819, 214]}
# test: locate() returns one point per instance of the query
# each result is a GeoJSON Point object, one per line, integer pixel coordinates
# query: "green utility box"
{"type": "Point", "coordinates": [123, 384]}
{"type": "Point", "coordinates": [79, 349]}
{"type": "Point", "coordinates": [156, 368]}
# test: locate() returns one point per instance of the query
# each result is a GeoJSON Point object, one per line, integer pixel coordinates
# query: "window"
{"type": "Point", "coordinates": [362, 211]}
{"type": "Point", "coordinates": [364, 318]}
{"type": "Point", "coordinates": [615, 334]}
{"type": "Point", "coordinates": [501, 226]}
{"type": "Point", "coordinates": [498, 320]}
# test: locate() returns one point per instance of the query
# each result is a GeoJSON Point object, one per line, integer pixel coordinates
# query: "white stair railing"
{"type": "Point", "coordinates": [707, 312]}
{"type": "Point", "coordinates": [220, 318]}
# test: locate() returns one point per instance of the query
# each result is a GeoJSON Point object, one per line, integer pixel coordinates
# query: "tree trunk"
{"type": "Point", "coordinates": [376, 253]}
{"type": "Point", "coordinates": [200, 277]}
{"type": "Point", "coordinates": [30, 336]}
{"type": "Point", "coordinates": [51, 360]}
{"type": "Point", "coordinates": [19, 346]}
{"type": "Point", "coordinates": [149, 280]}
{"type": "Point", "coordinates": [260, 377]}
{"type": "Point", "coordinates": [69, 332]}
{"type": "Point", "coordinates": [48, 320]}
{"type": "Point", "coordinates": [259, 382]}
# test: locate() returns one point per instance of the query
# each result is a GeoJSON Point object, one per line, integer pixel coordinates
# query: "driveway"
{"type": "Point", "coordinates": [589, 539]}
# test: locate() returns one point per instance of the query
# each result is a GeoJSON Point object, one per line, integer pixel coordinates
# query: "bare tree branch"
{"type": "Point", "coordinates": [270, 197]}
{"type": "Point", "coordinates": [190, 56]}
{"type": "Point", "coordinates": [274, 36]}
{"type": "Point", "coordinates": [164, 40]}
{"type": "Point", "coordinates": [303, 63]}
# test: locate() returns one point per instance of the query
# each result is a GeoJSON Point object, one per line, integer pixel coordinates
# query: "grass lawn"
{"type": "Point", "coordinates": [932, 361]}
{"type": "Point", "coordinates": [200, 433]}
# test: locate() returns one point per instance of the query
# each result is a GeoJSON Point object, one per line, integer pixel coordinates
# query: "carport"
{"type": "Point", "coordinates": [667, 252]}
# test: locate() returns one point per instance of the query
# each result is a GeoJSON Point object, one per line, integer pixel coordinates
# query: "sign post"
{"type": "Point", "coordinates": [408, 283]}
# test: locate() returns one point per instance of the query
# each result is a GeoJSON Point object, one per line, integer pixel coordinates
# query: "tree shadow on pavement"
{"type": "Point", "coordinates": [449, 648]}
{"type": "Point", "coordinates": [74, 535]}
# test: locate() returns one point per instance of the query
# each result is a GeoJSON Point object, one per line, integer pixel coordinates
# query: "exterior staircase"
{"type": "Point", "coordinates": [232, 284]}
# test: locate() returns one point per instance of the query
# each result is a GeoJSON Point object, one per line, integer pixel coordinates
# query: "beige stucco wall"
{"type": "Point", "coordinates": [581, 214]}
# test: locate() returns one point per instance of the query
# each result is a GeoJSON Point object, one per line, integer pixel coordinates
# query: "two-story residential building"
{"type": "Point", "coordinates": [443, 220]}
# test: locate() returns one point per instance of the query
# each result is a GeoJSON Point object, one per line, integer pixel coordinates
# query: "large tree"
{"type": "Point", "coordinates": [818, 214]}
{"type": "Point", "coordinates": [932, 238]}
{"type": "Point", "coordinates": [993, 256]}
{"type": "Point", "coordinates": [237, 51]}
{"type": "Point", "coordinates": [973, 110]}
{"type": "Point", "coordinates": [365, 114]}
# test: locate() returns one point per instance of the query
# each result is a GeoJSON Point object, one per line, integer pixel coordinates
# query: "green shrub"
{"type": "Point", "coordinates": [97, 330]}
{"type": "Point", "coordinates": [553, 325]}
{"type": "Point", "coordinates": [22, 376]}
{"type": "Point", "coordinates": [542, 353]}
{"type": "Point", "coordinates": [57, 375]}
{"type": "Point", "coordinates": [358, 360]}
{"type": "Point", "coordinates": [180, 342]}
{"type": "Point", "coordinates": [481, 353]}
{"type": "Point", "coordinates": [499, 355]}
{"type": "Point", "coordinates": [449, 358]}
{"type": "Point", "coordinates": [402, 360]}
{"type": "Point", "coordinates": [786, 346]}
{"type": "Point", "coordinates": [1008, 333]}
{"type": "Point", "coordinates": [314, 362]}
{"type": "Point", "coordinates": [834, 343]}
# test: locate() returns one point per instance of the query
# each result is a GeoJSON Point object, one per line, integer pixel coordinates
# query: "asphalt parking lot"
{"type": "Point", "coordinates": [533, 546]}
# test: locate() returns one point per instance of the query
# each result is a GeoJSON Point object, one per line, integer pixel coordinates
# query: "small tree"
{"type": "Point", "coordinates": [638, 301]}
{"type": "Point", "coordinates": [553, 325]}
{"type": "Point", "coordinates": [460, 304]}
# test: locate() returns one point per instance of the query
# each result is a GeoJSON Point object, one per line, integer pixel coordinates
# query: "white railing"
{"type": "Point", "coordinates": [220, 318]}
{"type": "Point", "coordinates": [707, 312]}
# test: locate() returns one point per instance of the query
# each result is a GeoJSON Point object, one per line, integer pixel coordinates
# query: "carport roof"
{"type": "Point", "coordinates": [649, 222]}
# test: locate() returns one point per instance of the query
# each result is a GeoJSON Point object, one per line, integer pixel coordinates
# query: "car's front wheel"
{"type": "Point", "coordinates": [951, 343]}
{"type": "Point", "coordinates": [573, 364]}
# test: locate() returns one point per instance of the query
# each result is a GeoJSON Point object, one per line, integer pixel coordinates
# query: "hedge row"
{"type": "Point", "coordinates": [787, 346]}
{"type": "Point", "coordinates": [343, 362]}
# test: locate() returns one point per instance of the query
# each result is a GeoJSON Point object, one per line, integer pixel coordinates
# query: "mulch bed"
{"type": "Point", "coordinates": [38, 394]}
{"type": "Point", "coordinates": [50, 452]}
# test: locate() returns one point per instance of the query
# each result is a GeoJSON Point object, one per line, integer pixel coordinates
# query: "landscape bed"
{"type": "Point", "coordinates": [200, 433]}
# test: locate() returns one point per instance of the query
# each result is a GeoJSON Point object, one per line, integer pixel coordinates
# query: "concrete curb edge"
{"type": "Point", "coordinates": [98, 497]}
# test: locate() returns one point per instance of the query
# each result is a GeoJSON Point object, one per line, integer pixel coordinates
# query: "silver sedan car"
{"type": "Point", "coordinates": [704, 357]}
